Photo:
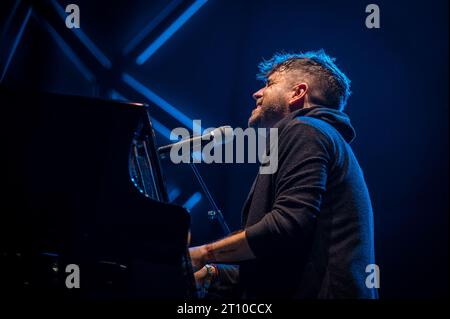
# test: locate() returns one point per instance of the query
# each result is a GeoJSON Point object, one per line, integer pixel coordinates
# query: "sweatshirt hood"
{"type": "Point", "coordinates": [338, 119]}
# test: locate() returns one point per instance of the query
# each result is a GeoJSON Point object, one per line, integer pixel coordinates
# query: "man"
{"type": "Point", "coordinates": [308, 227]}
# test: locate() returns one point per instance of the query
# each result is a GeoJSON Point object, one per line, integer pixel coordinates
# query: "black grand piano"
{"type": "Point", "coordinates": [82, 185]}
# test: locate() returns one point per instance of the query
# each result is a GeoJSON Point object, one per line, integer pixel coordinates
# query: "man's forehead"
{"type": "Point", "coordinates": [288, 75]}
{"type": "Point", "coordinates": [277, 75]}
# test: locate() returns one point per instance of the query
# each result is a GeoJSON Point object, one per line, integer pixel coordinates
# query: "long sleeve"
{"type": "Point", "coordinates": [299, 185]}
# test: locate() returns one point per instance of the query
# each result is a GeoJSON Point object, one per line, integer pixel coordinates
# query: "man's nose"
{"type": "Point", "coordinates": [258, 94]}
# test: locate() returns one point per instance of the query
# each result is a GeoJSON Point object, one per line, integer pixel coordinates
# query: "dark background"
{"type": "Point", "coordinates": [207, 69]}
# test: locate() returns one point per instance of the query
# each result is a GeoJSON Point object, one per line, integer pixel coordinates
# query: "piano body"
{"type": "Point", "coordinates": [68, 199]}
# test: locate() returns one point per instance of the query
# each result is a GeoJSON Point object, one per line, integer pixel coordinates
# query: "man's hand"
{"type": "Point", "coordinates": [198, 257]}
{"type": "Point", "coordinates": [200, 276]}
{"type": "Point", "coordinates": [203, 277]}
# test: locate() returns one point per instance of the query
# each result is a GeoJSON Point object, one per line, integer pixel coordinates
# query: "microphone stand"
{"type": "Point", "coordinates": [215, 213]}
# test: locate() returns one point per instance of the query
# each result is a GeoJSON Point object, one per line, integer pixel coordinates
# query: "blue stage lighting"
{"type": "Point", "coordinates": [192, 201]}
{"type": "Point", "coordinates": [153, 97]}
{"type": "Point", "coordinates": [104, 61]}
{"type": "Point", "coordinates": [173, 194]}
{"type": "Point", "coordinates": [69, 53]}
{"type": "Point", "coordinates": [150, 26]}
{"type": "Point", "coordinates": [15, 43]}
{"type": "Point", "coordinates": [157, 125]}
{"type": "Point", "coordinates": [167, 34]}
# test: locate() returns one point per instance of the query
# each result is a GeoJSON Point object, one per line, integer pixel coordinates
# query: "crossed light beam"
{"type": "Point", "coordinates": [168, 33]}
{"type": "Point", "coordinates": [146, 54]}
{"type": "Point", "coordinates": [101, 58]}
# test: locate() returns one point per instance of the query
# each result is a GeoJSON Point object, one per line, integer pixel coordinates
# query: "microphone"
{"type": "Point", "coordinates": [225, 132]}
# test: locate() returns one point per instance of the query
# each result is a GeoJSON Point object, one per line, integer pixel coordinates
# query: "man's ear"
{"type": "Point", "coordinates": [298, 97]}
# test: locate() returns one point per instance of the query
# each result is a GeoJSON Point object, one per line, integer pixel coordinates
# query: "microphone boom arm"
{"type": "Point", "coordinates": [227, 133]}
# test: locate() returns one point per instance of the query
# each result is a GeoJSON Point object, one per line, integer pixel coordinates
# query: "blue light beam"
{"type": "Point", "coordinates": [161, 128]}
{"type": "Point", "coordinates": [8, 22]}
{"type": "Point", "coordinates": [192, 201]}
{"type": "Point", "coordinates": [157, 125]}
{"type": "Point", "coordinates": [151, 26]}
{"type": "Point", "coordinates": [101, 58]}
{"type": "Point", "coordinates": [173, 194]}
{"type": "Point", "coordinates": [159, 101]}
{"type": "Point", "coordinates": [15, 43]}
{"type": "Point", "coordinates": [169, 32]}
{"type": "Point", "coordinates": [69, 53]}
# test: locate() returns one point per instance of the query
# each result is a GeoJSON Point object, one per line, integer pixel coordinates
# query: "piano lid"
{"type": "Point", "coordinates": [65, 163]}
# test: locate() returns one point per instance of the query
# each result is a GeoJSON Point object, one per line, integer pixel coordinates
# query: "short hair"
{"type": "Point", "coordinates": [333, 84]}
